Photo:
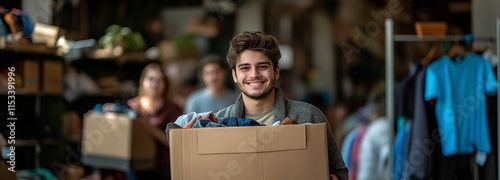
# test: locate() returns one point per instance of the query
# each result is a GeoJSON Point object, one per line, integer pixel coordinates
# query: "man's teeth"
{"type": "Point", "coordinates": [256, 83]}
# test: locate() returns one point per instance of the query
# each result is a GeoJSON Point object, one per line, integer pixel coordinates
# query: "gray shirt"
{"type": "Point", "coordinates": [302, 113]}
{"type": "Point", "coordinates": [203, 101]}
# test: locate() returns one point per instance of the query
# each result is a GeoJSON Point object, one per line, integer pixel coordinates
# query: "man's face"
{"type": "Point", "coordinates": [214, 76]}
{"type": "Point", "coordinates": [255, 74]}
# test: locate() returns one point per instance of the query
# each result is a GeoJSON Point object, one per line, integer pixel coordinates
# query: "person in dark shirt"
{"type": "Point", "coordinates": [156, 112]}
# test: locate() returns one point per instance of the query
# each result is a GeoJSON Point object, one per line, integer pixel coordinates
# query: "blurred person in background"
{"type": "Point", "coordinates": [216, 95]}
{"type": "Point", "coordinates": [375, 146]}
{"type": "Point", "coordinates": [155, 112]}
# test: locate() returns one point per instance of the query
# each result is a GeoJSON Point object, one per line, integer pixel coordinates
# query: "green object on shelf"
{"type": "Point", "coordinates": [113, 29]}
{"type": "Point", "coordinates": [46, 174]}
{"type": "Point", "coordinates": [118, 35]}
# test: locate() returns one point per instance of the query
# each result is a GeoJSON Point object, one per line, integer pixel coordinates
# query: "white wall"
{"type": "Point", "coordinates": [484, 14]}
{"type": "Point", "coordinates": [39, 11]}
{"type": "Point", "coordinates": [176, 19]}
{"type": "Point", "coordinates": [250, 17]}
{"type": "Point", "coordinates": [323, 51]}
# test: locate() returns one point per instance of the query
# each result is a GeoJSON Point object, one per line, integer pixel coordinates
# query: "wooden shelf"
{"type": "Point", "coordinates": [35, 142]}
{"type": "Point", "coordinates": [21, 93]}
{"type": "Point", "coordinates": [29, 49]}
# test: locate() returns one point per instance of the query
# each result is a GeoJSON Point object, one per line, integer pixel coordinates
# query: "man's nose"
{"type": "Point", "coordinates": [254, 72]}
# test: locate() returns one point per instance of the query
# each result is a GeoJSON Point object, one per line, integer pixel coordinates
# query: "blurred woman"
{"type": "Point", "coordinates": [156, 111]}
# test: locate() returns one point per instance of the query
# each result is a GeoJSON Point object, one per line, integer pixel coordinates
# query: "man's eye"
{"type": "Point", "coordinates": [244, 68]}
{"type": "Point", "coordinates": [262, 67]}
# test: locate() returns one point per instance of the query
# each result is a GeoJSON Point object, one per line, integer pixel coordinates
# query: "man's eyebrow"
{"type": "Point", "coordinates": [243, 64]}
{"type": "Point", "coordinates": [259, 63]}
{"type": "Point", "coordinates": [267, 63]}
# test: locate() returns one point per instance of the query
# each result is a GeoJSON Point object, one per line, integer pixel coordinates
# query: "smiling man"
{"type": "Point", "coordinates": [253, 58]}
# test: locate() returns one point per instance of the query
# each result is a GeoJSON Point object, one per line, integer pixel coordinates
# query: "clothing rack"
{"type": "Point", "coordinates": [390, 38]}
{"type": "Point", "coordinates": [449, 38]}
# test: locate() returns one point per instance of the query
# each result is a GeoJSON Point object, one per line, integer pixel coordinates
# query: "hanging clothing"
{"type": "Point", "coordinates": [460, 90]}
{"type": "Point", "coordinates": [347, 145]}
{"type": "Point", "coordinates": [375, 151]}
{"type": "Point", "coordinates": [421, 146]}
{"type": "Point", "coordinates": [489, 170]}
{"type": "Point", "coordinates": [399, 155]}
{"type": "Point", "coordinates": [453, 167]}
{"type": "Point", "coordinates": [491, 57]}
{"type": "Point", "coordinates": [354, 158]}
{"type": "Point", "coordinates": [405, 93]}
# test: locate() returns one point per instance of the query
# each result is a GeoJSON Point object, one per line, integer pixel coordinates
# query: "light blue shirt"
{"type": "Point", "coordinates": [347, 147]}
{"type": "Point", "coordinates": [202, 101]}
{"type": "Point", "coordinates": [460, 89]}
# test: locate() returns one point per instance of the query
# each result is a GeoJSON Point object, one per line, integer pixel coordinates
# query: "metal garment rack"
{"type": "Point", "coordinates": [390, 38]}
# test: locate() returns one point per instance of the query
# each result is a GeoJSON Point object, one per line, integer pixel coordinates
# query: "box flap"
{"type": "Point", "coordinates": [236, 140]}
{"type": "Point", "coordinates": [298, 164]}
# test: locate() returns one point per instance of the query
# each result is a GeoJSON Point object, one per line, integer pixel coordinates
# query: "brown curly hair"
{"type": "Point", "coordinates": [255, 41]}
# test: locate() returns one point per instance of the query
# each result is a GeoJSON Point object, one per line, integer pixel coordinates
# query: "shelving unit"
{"type": "Point", "coordinates": [39, 113]}
{"type": "Point", "coordinates": [390, 38]}
{"type": "Point", "coordinates": [130, 69]}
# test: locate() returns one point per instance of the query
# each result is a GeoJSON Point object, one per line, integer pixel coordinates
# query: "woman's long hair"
{"type": "Point", "coordinates": [154, 67]}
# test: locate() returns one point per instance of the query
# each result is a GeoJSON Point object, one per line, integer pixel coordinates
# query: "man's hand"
{"type": "Point", "coordinates": [333, 177]}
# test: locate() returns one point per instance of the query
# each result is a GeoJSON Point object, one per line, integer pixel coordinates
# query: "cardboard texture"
{"type": "Point", "coordinates": [114, 141]}
{"type": "Point", "coordinates": [5, 174]}
{"type": "Point", "coordinates": [52, 81]}
{"type": "Point", "coordinates": [249, 153]}
{"type": "Point", "coordinates": [430, 28]}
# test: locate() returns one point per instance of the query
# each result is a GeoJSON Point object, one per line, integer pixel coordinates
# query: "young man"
{"type": "Point", "coordinates": [215, 95]}
{"type": "Point", "coordinates": [253, 59]}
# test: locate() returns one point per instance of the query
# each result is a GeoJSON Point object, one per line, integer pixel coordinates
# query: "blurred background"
{"type": "Point", "coordinates": [91, 52]}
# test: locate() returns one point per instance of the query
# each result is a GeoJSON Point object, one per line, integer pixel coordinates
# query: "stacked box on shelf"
{"type": "Point", "coordinates": [26, 75]}
{"type": "Point", "coordinates": [52, 77]}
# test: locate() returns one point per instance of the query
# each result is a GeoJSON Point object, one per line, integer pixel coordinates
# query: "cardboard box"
{"type": "Point", "coordinates": [26, 75]}
{"type": "Point", "coordinates": [265, 152]}
{"type": "Point", "coordinates": [5, 174]}
{"type": "Point", "coordinates": [44, 33]}
{"type": "Point", "coordinates": [114, 141]}
{"type": "Point", "coordinates": [52, 77]}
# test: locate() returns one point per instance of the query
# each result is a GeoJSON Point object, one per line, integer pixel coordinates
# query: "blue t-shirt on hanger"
{"type": "Point", "coordinates": [460, 89]}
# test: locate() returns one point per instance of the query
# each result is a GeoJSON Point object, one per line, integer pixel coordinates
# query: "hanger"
{"type": "Point", "coordinates": [457, 51]}
{"type": "Point", "coordinates": [434, 53]}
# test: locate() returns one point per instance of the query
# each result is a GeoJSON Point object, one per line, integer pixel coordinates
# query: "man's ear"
{"type": "Point", "coordinates": [235, 78]}
{"type": "Point", "coordinates": [277, 72]}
